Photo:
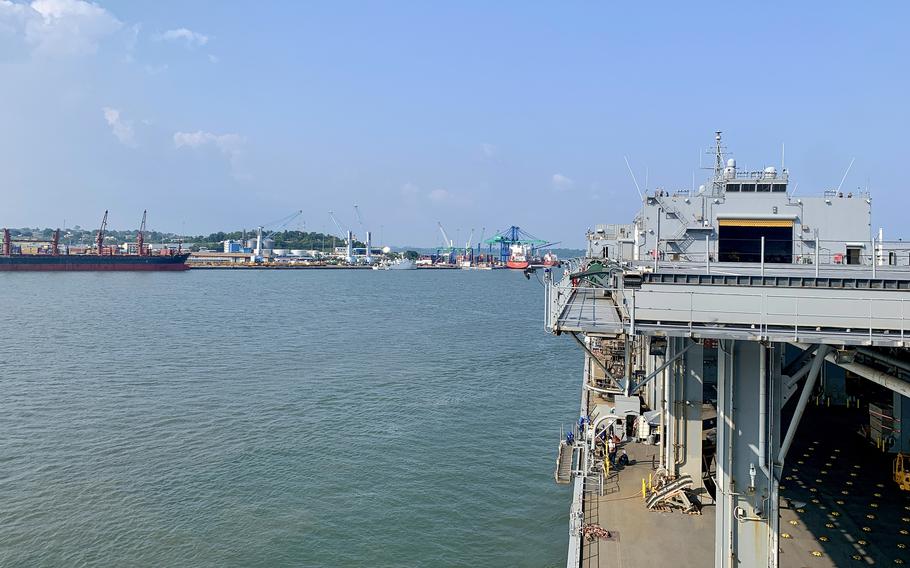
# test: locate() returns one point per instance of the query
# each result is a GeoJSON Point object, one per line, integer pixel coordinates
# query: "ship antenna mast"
{"type": "Point", "coordinates": [99, 239]}
{"type": "Point", "coordinates": [718, 156]}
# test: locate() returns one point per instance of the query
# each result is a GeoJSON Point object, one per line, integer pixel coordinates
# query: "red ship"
{"type": "Point", "coordinates": [101, 258]}
{"type": "Point", "coordinates": [518, 259]}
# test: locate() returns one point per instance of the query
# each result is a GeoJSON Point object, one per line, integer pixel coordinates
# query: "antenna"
{"type": "Point", "coordinates": [647, 174]}
{"type": "Point", "coordinates": [640, 195]}
{"type": "Point", "coordinates": [845, 174]}
{"type": "Point", "coordinates": [782, 154]}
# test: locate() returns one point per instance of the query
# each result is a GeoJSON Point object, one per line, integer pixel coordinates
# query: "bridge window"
{"type": "Point", "coordinates": [748, 187]}
{"type": "Point", "coordinates": [732, 187]}
{"type": "Point", "coordinates": [779, 188]}
{"type": "Point", "coordinates": [739, 240]}
{"type": "Point", "coordinates": [766, 187]}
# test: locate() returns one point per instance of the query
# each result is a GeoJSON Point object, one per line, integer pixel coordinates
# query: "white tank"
{"type": "Point", "coordinates": [280, 252]}
{"type": "Point", "coordinates": [298, 252]}
{"type": "Point", "coordinates": [268, 243]}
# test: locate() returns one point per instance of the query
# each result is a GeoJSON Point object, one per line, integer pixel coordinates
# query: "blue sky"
{"type": "Point", "coordinates": [222, 115]}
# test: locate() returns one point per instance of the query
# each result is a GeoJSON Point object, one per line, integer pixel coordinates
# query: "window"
{"type": "Point", "coordinates": [764, 187]}
{"type": "Point", "coordinates": [779, 188]}
{"type": "Point", "coordinates": [748, 187]}
{"type": "Point", "coordinates": [732, 187]}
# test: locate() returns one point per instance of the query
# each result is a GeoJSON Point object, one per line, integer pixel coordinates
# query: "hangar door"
{"type": "Point", "coordinates": [739, 240]}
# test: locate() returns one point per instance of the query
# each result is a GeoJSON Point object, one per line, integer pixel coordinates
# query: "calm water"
{"type": "Point", "coordinates": [309, 418]}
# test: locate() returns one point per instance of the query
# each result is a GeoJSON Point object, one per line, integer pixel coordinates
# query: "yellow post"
{"type": "Point", "coordinates": [644, 491]}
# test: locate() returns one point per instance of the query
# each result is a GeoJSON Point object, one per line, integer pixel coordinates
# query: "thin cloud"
{"type": "Point", "coordinates": [121, 129]}
{"type": "Point", "coordinates": [183, 35]}
{"type": "Point", "coordinates": [231, 145]}
{"type": "Point", "coordinates": [439, 195]}
{"type": "Point", "coordinates": [562, 183]}
{"type": "Point", "coordinates": [58, 28]}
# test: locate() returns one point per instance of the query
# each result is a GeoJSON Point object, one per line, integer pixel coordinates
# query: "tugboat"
{"type": "Point", "coordinates": [518, 259]}
{"type": "Point", "coordinates": [550, 259]}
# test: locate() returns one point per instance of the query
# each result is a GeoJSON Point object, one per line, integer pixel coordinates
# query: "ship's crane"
{"type": "Point", "coordinates": [99, 238]}
{"type": "Point", "coordinates": [140, 237]}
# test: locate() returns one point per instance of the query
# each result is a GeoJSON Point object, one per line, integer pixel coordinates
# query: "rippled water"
{"type": "Point", "coordinates": [271, 418]}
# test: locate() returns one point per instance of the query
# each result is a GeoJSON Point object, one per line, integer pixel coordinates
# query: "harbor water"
{"type": "Point", "coordinates": [281, 418]}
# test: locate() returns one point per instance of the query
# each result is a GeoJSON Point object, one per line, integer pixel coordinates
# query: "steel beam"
{"type": "Point", "coordinates": [666, 364]}
{"type": "Point", "coordinates": [801, 404]}
{"type": "Point", "coordinates": [594, 357]}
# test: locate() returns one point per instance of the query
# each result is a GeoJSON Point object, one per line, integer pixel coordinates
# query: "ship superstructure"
{"type": "Point", "coordinates": [745, 375]}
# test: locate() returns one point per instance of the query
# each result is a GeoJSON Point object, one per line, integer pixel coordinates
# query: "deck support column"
{"type": "Point", "coordinates": [691, 415]}
{"type": "Point", "coordinates": [746, 494]}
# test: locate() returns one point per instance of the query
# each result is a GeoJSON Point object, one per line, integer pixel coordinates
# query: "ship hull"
{"type": "Point", "coordinates": [517, 264]}
{"type": "Point", "coordinates": [92, 263]}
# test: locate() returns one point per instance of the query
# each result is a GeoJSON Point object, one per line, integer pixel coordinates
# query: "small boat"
{"type": "Point", "coordinates": [400, 264]}
{"type": "Point", "coordinates": [550, 259]}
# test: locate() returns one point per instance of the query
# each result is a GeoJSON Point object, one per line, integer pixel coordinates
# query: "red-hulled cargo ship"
{"type": "Point", "coordinates": [518, 257]}
{"type": "Point", "coordinates": [101, 258]}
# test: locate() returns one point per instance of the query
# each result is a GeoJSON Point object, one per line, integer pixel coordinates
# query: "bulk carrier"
{"type": "Point", "coordinates": [98, 258]}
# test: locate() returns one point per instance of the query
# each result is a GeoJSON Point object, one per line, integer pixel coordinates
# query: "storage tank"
{"type": "Point", "coordinates": [268, 243]}
{"type": "Point", "coordinates": [298, 252]}
{"type": "Point", "coordinates": [279, 252]}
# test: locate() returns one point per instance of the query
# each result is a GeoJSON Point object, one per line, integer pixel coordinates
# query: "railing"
{"type": "Point", "coordinates": [559, 291]}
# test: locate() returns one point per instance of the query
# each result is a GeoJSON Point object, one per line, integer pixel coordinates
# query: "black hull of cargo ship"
{"type": "Point", "coordinates": [92, 262]}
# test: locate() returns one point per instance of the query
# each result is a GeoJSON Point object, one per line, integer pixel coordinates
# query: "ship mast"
{"type": "Point", "coordinates": [7, 243]}
{"type": "Point", "coordinates": [718, 183]}
{"type": "Point", "coordinates": [99, 239]}
{"type": "Point", "coordinates": [140, 238]}
{"type": "Point", "coordinates": [55, 243]}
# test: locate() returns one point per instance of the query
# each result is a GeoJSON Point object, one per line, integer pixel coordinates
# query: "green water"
{"type": "Point", "coordinates": [272, 418]}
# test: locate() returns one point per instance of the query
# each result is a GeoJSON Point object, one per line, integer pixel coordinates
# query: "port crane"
{"type": "Point", "coordinates": [348, 237]}
{"type": "Point", "coordinates": [448, 246]}
{"type": "Point", "coordinates": [367, 234]}
{"type": "Point", "coordinates": [514, 235]}
{"type": "Point", "coordinates": [99, 238]}
{"type": "Point", "coordinates": [276, 226]}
